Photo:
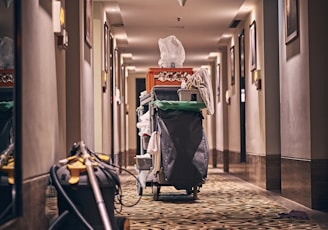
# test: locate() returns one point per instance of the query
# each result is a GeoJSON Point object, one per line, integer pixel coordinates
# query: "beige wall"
{"type": "Point", "coordinates": [97, 74]}
{"type": "Point", "coordinates": [270, 77]}
{"type": "Point", "coordinates": [209, 121]}
{"type": "Point", "coordinates": [79, 72]}
{"type": "Point", "coordinates": [102, 126]}
{"type": "Point", "coordinates": [255, 107]}
{"type": "Point", "coordinates": [295, 91]}
{"type": "Point", "coordinates": [228, 116]}
{"type": "Point", "coordinates": [303, 85]}
{"type": "Point", "coordinates": [102, 100]}
{"type": "Point", "coordinates": [221, 107]}
{"type": "Point", "coordinates": [131, 82]}
{"type": "Point", "coordinates": [40, 97]}
{"type": "Point", "coordinates": [317, 50]}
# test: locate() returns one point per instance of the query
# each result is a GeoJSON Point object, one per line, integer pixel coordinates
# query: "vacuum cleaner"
{"type": "Point", "coordinates": [7, 166]}
{"type": "Point", "coordinates": [7, 162]}
{"type": "Point", "coordinates": [86, 185]}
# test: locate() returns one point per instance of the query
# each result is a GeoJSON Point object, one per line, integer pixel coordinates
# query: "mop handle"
{"type": "Point", "coordinates": [96, 189]}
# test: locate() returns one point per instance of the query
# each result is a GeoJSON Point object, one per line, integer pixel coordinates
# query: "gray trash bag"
{"type": "Point", "coordinates": [184, 147]}
{"type": "Point", "coordinates": [172, 52]}
{"type": "Point", "coordinates": [6, 53]}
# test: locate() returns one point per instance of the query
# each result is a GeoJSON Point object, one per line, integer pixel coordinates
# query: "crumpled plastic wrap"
{"type": "Point", "coordinates": [172, 52]}
{"type": "Point", "coordinates": [6, 53]}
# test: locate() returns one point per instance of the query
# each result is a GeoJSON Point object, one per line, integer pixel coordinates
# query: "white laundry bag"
{"type": "Point", "coordinates": [172, 52]}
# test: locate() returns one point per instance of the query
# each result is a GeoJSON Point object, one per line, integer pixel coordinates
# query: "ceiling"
{"type": "Point", "coordinates": [202, 26]}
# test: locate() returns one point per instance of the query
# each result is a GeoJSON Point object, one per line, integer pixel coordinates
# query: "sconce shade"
{"type": "Point", "coordinates": [7, 2]}
{"type": "Point", "coordinates": [182, 2]}
{"type": "Point", "coordinates": [56, 16]}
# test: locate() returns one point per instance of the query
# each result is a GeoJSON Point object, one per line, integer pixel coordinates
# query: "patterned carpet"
{"type": "Point", "coordinates": [224, 202]}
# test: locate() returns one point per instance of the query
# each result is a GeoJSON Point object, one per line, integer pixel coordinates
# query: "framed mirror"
{"type": "Point", "coordinates": [10, 175]}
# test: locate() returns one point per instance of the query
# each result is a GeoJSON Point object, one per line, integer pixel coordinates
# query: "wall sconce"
{"type": "Point", "coordinates": [58, 20]}
{"type": "Point", "coordinates": [7, 2]}
{"type": "Point", "coordinates": [56, 11]}
{"type": "Point", "coordinates": [104, 82]}
{"type": "Point", "coordinates": [118, 95]}
{"type": "Point", "coordinates": [228, 96]}
{"type": "Point", "coordinates": [62, 39]}
{"type": "Point", "coordinates": [257, 79]}
{"type": "Point", "coordinates": [62, 17]}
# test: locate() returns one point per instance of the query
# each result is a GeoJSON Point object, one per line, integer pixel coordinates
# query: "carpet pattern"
{"type": "Point", "coordinates": [223, 203]}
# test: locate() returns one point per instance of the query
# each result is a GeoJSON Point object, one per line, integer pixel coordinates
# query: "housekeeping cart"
{"type": "Point", "coordinates": [177, 150]}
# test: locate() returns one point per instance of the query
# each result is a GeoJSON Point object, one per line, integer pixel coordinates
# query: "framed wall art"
{"type": "Point", "coordinates": [241, 42]}
{"type": "Point", "coordinates": [252, 33]}
{"type": "Point", "coordinates": [88, 22]}
{"type": "Point", "coordinates": [291, 20]}
{"type": "Point", "coordinates": [232, 56]}
{"type": "Point", "coordinates": [105, 52]}
{"type": "Point", "coordinates": [105, 57]}
{"type": "Point", "coordinates": [218, 78]}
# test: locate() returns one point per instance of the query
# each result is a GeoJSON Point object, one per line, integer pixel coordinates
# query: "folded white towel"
{"type": "Point", "coordinates": [154, 148]}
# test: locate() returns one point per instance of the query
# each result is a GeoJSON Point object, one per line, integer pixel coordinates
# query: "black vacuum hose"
{"type": "Point", "coordinates": [106, 167]}
{"type": "Point", "coordinates": [5, 212]}
{"type": "Point", "coordinates": [59, 220]}
{"type": "Point", "coordinates": [60, 189]}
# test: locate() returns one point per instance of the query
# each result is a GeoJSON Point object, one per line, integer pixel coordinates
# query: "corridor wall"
{"type": "Point", "coordinates": [262, 160]}
{"type": "Point", "coordinates": [304, 148]}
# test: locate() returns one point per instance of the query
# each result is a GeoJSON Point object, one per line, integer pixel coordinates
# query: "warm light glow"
{"type": "Point", "coordinates": [256, 74]}
{"type": "Point", "coordinates": [120, 36]}
{"type": "Point", "coordinates": [247, 7]}
{"type": "Point", "coordinates": [62, 16]}
{"type": "Point", "coordinates": [194, 57]}
{"type": "Point", "coordinates": [141, 70]}
{"type": "Point", "coordinates": [130, 67]}
{"type": "Point", "coordinates": [205, 67]}
{"type": "Point", "coordinates": [226, 35]}
{"type": "Point", "coordinates": [112, 7]}
{"type": "Point", "coordinates": [126, 55]}
{"type": "Point", "coordinates": [213, 54]}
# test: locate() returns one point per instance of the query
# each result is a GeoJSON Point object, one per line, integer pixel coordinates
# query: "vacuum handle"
{"type": "Point", "coordinates": [96, 190]}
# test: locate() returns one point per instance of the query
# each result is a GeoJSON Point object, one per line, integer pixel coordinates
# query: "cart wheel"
{"type": "Point", "coordinates": [156, 190]}
{"type": "Point", "coordinates": [122, 222]}
{"type": "Point", "coordinates": [195, 192]}
{"type": "Point", "coordinates": [189, 191]}
{"type": "Point", "coordinates": [139, 189]}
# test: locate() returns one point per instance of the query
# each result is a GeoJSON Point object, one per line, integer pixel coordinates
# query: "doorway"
{"type": "Point", "coordinates": [241, 43]}
{"type": "Point", "coordinates": [140, 86]}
